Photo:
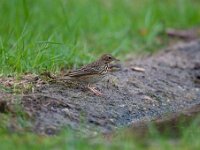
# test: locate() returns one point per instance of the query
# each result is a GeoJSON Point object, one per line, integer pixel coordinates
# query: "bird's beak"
{"type": "Point", "coordinates": [115, 59]}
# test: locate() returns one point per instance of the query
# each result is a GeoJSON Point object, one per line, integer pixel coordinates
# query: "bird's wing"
{"type": "Point", "coordinates": [82, 72]}
{"type": "Point", "coordinates": [89, 69]}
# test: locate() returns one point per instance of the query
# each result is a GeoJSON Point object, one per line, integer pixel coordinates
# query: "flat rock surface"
{"type": "Point", "coordinates": [143, 89]}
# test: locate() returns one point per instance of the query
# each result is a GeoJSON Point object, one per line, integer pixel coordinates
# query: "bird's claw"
{"type": "Point", "coordinates": [95, 91]}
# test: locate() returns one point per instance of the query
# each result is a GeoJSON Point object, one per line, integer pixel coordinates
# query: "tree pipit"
{"type": "Point", "coordinates": [92, 73]}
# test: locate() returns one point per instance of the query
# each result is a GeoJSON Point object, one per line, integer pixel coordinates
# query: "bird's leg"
{"type": "Point", "coordinates": [94, 90]}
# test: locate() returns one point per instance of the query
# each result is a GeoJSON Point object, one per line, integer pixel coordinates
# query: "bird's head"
{"type": "Point", "coordinates": [107, 58]}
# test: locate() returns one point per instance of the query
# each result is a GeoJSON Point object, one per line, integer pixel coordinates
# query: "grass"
{"type": "Point", "coordinates": [47, 35]}
{"type": "Point", "coordinates": [186, 138]}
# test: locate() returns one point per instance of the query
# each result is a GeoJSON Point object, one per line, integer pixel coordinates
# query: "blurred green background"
{"type": "Point", "coordinates": [37, 35]}
{"type": "Point", "coordinates": [47, 35]}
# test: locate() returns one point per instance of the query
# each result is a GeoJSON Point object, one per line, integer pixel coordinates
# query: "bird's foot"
{"type": "Point", "coordinates": [95, 91]}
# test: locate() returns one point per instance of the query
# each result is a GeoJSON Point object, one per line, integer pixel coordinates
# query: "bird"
{"type": "Point", "coordinates": [92, 73]}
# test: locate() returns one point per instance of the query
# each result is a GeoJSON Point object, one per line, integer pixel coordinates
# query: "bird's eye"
{"type": "Point", "coordinates": [109, 57]}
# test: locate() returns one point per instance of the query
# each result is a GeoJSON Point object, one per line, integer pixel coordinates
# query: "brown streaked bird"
{"type": "Point", "coordinates": [92, 73]}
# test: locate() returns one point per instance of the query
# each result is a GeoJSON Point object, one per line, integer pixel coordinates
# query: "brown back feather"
{"type": "Point", "coordinates": [90, 69]}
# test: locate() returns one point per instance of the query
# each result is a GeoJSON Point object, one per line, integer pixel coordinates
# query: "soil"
{"type": "Point", "coordinates": [144, 88]}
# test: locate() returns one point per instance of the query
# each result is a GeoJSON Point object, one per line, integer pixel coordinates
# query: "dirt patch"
{"type": "Point", "coordinates": [143, 89]}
